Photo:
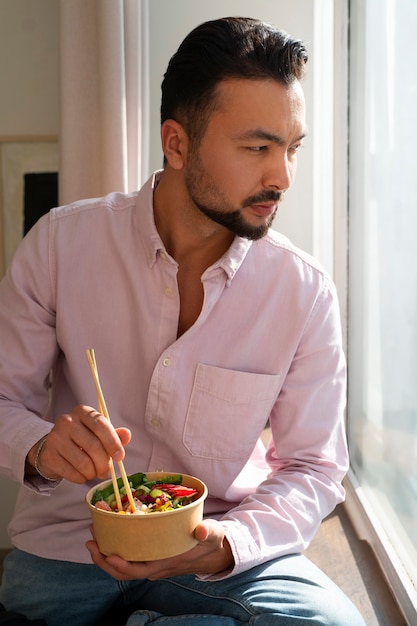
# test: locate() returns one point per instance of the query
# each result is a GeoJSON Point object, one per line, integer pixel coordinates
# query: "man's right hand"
{"type": "Point", "coordinates": [79, 447]}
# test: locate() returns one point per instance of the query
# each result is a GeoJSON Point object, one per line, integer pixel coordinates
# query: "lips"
{"type": "Point", "coordinates": [265, 209]}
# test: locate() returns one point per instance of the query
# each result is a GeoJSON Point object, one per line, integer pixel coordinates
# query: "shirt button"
{"type": "Point", "coordinates": [168, 291]}
{"type": "Point", "coordinates": [166, 361]}
{"type": "Point", "coordinates": [159, 469]}
{"type": "Point", "coordinates": [155, 422]}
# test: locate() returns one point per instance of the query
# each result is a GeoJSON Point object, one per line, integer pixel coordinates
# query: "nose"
{"type": "Point", "coordinates": [279, 172]}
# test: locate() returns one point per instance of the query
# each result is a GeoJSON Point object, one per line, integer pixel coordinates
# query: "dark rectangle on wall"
{"type": "Point", "coordinates": [40, 195]}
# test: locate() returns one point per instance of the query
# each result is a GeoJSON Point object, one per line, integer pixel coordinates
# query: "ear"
{"type": "Point", "coordinates": [174, 141]}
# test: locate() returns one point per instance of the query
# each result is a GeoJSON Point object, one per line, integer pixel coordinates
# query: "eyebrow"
{"type": "Point", "coordinates": [260, 133]}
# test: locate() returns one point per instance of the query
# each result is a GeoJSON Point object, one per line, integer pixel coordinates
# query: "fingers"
{"type": "Point", "coordinates": [81, 444]}
{"type": "Point", "coordinates": [211, 555]}
{"type": "Point", "coordinates": [101, 561]}
{"type": "Point", "coordinates": [103, 435]}
{"type": "Point", "coordinates": [202, 532]}
{"type": "Point", "coordinates": [73, 464]}
{"type": "Point", "coordinates": [115, 566]}
{"type": "Point", "coordinates": [125, 435]}
{"type": "Point", "coordinates": [120, 569]}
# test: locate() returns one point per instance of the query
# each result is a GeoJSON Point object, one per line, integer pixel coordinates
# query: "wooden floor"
{"type": "Point", "coordinates": [352, 566]}
{"type": "Point", "coordinates": [350, 563]}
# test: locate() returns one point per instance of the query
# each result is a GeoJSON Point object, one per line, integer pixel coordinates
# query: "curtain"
{"type": "Point", "coordinates": [104, 124]}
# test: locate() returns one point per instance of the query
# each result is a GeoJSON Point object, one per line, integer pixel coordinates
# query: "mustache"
{"type": "Point", "coordinates": [269, 195]}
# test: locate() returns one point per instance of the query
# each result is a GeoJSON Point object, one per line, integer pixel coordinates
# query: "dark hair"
{"type": "Point", "coordinates": [230, 47]}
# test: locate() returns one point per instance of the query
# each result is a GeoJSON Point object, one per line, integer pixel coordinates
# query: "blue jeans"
{"type": "Point", "coordinates": [290, 591]}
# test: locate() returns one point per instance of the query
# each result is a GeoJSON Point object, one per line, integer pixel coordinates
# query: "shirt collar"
{"type": "Point", "coordinates": [232, 259]}
{"type": "Point", "coordinates": [229, 262]}
{"type": "Point", "coordinates": [145, 219]}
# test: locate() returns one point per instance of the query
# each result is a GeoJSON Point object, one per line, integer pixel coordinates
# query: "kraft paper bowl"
{"type": "Point", "coordinates": [152, 536]}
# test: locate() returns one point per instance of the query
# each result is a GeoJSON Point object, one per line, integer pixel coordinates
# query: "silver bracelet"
{"type": "Point", "coordinates": [38, 453]}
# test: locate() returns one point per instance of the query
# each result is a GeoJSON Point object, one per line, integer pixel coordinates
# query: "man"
{"type": "Point", "coordinates": [205, 324]}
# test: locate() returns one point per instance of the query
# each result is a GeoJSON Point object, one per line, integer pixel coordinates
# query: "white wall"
{"type": "Point", "coordinates": [29, 67]}
{"type": "Point", "coordinates": [171, 21]}
{"type": "Point", "coordinates": [29, 104]}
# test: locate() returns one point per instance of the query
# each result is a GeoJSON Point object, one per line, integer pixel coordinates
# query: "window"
{"type": "Point", "coordinates": [382, 311]}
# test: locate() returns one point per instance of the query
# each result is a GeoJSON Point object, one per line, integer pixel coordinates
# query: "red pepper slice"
{"type": "Point", "coordinates": [178, 491]}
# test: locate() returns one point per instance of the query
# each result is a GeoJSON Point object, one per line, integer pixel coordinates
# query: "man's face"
{"type": "Point", "coordinates": [247, 157]}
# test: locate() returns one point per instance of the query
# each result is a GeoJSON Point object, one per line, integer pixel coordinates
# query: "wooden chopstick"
{"type": "Point", "coordinates": [112, 472]}
{"type": "Point", "coordinates": [103, 409]}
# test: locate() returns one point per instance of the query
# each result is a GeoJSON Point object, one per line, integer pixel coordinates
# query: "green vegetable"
{"type": "Point", "coordinates": [135, 481]}
{"type": "Point", "coordinates": [175, 479]}
{"type": "Point", "coordinates": [155, 493]}
{"type": "Point", "coordinates": [108, 492]}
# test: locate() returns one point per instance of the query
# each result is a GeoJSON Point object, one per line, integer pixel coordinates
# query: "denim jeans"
{"type": "Point", "coordinates": [290, 591]}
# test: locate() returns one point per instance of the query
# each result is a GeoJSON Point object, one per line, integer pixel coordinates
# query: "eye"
{"type": "Point", "coordinates": [293, 150]}
{"type": "Point", "coordinates": [296, 147]}
{"type": "Point", "coordinates": [257, 148]}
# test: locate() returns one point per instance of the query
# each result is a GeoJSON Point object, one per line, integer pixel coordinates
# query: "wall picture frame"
{"type": "Point", "coordinates": [20, 156]}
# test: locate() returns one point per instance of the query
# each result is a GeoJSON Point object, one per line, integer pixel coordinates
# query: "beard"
{"type": "Point", "coordinates": [207, 197]}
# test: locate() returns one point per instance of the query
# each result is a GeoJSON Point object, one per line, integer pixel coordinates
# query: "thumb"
{"type": "Point", "coordinates": [125, 435]}
{"type": "Point", "coordinates": [202, 531]}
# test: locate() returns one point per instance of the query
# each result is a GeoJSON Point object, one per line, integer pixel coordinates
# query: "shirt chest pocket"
{"type": "Point", "coordinates": [228, 410]}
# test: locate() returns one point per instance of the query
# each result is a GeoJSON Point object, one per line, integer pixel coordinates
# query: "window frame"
{"type": "Point", "coordinates": [357, 505]}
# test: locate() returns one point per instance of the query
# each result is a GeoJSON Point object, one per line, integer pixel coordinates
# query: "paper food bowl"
{"type": "Point", "coordinates": [152, 536]}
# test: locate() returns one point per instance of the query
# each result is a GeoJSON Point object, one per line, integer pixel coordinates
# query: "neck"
{"type": "Point", "coordinates": [185, 231]}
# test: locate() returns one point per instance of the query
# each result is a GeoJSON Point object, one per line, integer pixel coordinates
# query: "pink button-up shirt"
{"type": "Point", "coordinates": [267, 345]}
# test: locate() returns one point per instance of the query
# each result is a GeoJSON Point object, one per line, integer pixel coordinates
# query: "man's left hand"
{"type": "Point", "coordinates": [211, 555]}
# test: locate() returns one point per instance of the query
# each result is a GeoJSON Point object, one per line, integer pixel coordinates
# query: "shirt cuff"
{"type": "Point", "coordinates": [245, 552]}
{"type": "Point", "coordinates": [40, 485]}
